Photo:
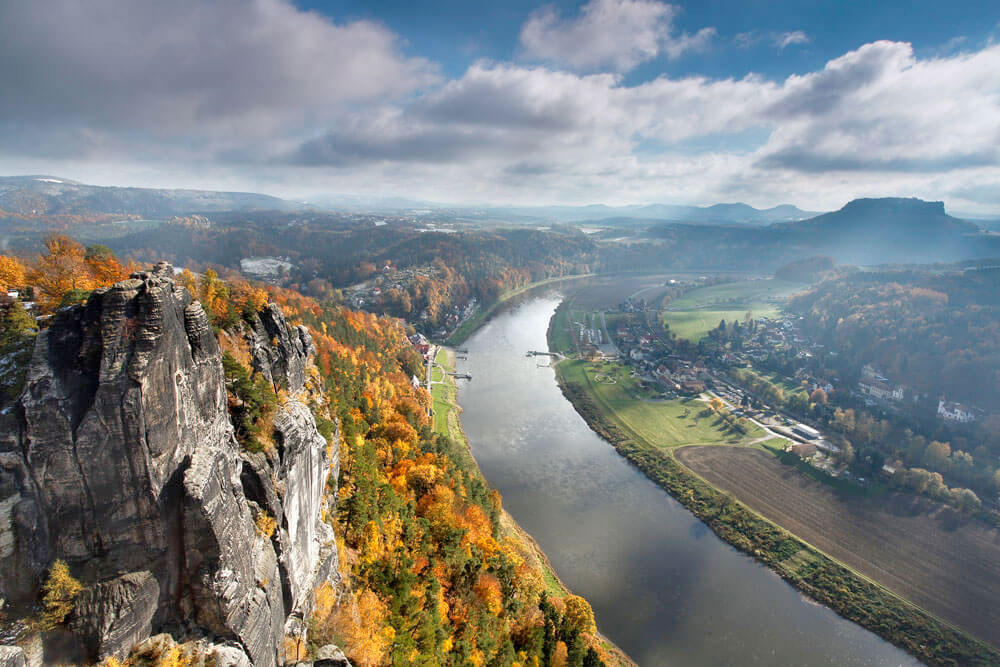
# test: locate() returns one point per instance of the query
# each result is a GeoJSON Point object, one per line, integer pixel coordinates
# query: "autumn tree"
{"type": "Point", "coordinates": [12, 273]}
{"type": "Point", "coordinates": [580, 614]}
{"type": "Point", "coordinates": [61, 268]}
{"type": "Point", "coordinates": [103, 265]}
{"type": "Point", "coordinates": [58, 595]}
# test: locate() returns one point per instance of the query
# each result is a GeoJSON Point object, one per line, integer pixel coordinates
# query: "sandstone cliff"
{"type": "Point", "coordinates": [120, 459]}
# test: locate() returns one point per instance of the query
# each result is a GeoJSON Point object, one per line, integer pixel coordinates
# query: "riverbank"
{"type": "Point", "coordinates": [447, 422]}
{"type": "Point", "coordinates": [482, 315]}
{"type": "Point", "coordinates": [846, 592]}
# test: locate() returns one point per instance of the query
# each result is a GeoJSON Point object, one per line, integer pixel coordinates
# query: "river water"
{"type": "Point", "coordinates": [662, 585]}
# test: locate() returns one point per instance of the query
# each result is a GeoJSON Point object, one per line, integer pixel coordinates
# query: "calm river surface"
{"type": "Point", "coordinates": [663, 586]}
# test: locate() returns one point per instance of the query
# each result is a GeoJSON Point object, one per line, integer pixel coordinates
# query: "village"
{"type": "Point", "coordinates": [764, 370]}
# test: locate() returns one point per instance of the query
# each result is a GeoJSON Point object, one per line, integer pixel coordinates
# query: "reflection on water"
{"type": "Point", "coordinates": [663, 587]}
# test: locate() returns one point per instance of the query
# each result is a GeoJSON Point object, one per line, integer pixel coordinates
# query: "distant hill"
{"type": "Point", "coordinates": [49, 195]}
{"type": "Point", "coordinates": [719, 213]}
{"type": "Point", "coordinates": [869, 231]}
{"type": "Point", "coordinates": [865, 231]}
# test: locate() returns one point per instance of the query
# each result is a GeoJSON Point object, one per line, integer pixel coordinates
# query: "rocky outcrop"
{"type": "Point", "coordinates": [120, 459]}
{"type": "Point", "coordinates": [12, 656]}
{"type": "Point", "coordinates": [280, 351]}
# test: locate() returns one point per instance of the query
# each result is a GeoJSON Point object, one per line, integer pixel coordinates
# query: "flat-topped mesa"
{"type": "Point", "coordinates": [120, 459]}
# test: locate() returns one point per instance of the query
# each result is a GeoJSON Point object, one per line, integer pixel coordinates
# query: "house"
{"type": "Point", "coordinates": [955, 412]}
{"type": "Point", "coordinates": [692, 386]}
{"type": "Point", "coordinates": [415, 382]}
{"type": "Point", "coordinates": [879, 388]}
{"type": "Point", "coordinates": [803, 450]}
{"type": "Point", "coordinates": [420, 343]}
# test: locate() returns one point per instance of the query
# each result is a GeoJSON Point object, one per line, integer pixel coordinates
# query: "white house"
{"type": "Point", "coordinates": [878, 389]}
{"type": "Point", "coordinates": [955, 412]}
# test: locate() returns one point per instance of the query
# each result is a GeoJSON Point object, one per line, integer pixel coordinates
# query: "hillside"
{"type": "Point", "coordinates": [189, 478]}
{"type": "Point", "coordinates": [874, 231]}
{"type": "Point", "coordinates": [738, 213]}
{"type": "Point", "coordinates": [48, 195]}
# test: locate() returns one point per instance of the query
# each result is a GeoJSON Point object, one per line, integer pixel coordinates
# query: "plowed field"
{"type": "Point", "coordinates": [927, 553]}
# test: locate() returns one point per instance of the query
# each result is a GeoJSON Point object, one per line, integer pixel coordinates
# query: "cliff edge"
{"type": "Point", "coordinates": [120, 459]}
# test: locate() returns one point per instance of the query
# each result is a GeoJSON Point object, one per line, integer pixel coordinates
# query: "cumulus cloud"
{"type": "Point", "coordinates": [216, 71]}
{"type": "Point", "coordinates": [877, 109]}
{"type": "Point", "coordinates": [259, 92]}
{"type": "Point", "coordinates": [609, 33]}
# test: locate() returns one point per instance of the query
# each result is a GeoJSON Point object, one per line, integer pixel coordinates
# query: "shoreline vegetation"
{"type": "Point", "coordinates": [812, 572]}
{"type": "Point", "coordinates": [445, 395]}
{"type": "Point", "coordinates": [483, 314]}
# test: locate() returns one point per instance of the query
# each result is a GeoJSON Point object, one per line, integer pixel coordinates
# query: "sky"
{"type": "Point", "coordinates": [811, 103]}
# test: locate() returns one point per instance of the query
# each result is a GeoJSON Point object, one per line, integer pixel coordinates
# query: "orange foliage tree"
{"type": "Point", "coordinates": [12, 273]}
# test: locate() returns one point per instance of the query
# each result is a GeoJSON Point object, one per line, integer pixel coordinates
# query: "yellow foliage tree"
{"type": "Point", "coordinates": [580, 614]}
{"type": "Point", "coordinates": [58, 594]}
{"type": "Point", "coordinates": [12, 273]}
{"type": "Point", "coordinates": [560, 655]}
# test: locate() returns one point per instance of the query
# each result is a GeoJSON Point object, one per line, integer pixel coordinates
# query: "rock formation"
{"type": "Point", "coordinates": [120, 459]}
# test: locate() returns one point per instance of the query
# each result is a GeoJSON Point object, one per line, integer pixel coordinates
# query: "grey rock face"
{"type": "Point", "coordinates": [113, 616]}
{"type": "Point", "coordinates": [120, 459]}
{"type": "Point", "coordinates": [12, 656]}
{"type": "Point", "coordinates": [280, 352]}
{"type": "Point", "coordinates": [331, 656]}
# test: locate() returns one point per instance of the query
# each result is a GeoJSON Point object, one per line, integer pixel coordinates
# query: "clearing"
{"type": "Point", "coordinates": [697, 312]}
{"type": "Point", "coordinates": [664, 424]}
{"type": "Point", "coordinates": [927, 553]}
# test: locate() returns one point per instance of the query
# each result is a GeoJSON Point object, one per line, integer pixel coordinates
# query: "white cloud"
{"type": "Point", "coordinates": [259, 95]}
{"type": "Point", "coordinates": [785, 39]}
{"type": "Point", "coordinates": [614, 33]}
{"type": "Point", "coordinates": [875, 120]}
{"type": "Point", "coordinates": [219, 71]}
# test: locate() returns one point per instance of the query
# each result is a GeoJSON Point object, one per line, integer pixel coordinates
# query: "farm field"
{"type": "Point", "coordinates": [664, 424]}
{"type": "Point", "coordinates": [925, 552]}
{"type": "Point", "coordinates": [699, 311]}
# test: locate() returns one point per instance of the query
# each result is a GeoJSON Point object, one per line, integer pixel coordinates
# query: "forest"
{"type": "Point", "coordinates": [936, 333]}
{"type": "Point", "coordinates": [430, 577]}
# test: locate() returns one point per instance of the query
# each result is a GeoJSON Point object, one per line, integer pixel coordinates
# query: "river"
{"type": "Point", "coordinates": [663, 586]}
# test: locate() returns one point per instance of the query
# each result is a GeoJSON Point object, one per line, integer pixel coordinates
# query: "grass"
{"type": "Point", "coordinates": [559, 336]}
{"type": "Point", "coordinates": [663, 424]}
{"type": "Point", "coordinates": [697, 312]}
{"type": "Point", "coordinates": [446, 410]}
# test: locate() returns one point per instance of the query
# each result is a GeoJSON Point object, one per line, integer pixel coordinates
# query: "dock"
{"type": "Point", "coordinates": [536, 353]}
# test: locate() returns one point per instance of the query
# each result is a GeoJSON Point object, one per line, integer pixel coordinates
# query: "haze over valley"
{"type": "Point", "coordinates": [599, 332]}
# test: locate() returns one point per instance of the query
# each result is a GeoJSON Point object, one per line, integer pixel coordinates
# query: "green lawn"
{"type": "Point", "coordinates": [662, 424]}
{"type": "Point", "coordinates": [694, 314]}
{"type": "Point", "coordinates": [445, 394]}
{"type": "Point", "coordinates": [561, 340]}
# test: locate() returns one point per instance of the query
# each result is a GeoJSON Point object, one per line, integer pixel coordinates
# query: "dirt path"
{"type": "Point", "coordinates": [931, 555]}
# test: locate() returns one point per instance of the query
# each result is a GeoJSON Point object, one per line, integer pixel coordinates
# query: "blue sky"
{"type": "Point", "coordinates": [612, 101]}
{"type": "Point", "coordinates": [455, 33]}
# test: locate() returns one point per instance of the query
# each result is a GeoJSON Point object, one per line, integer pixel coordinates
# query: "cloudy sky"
{"type": "Point", "coordinates": [614, 101]}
